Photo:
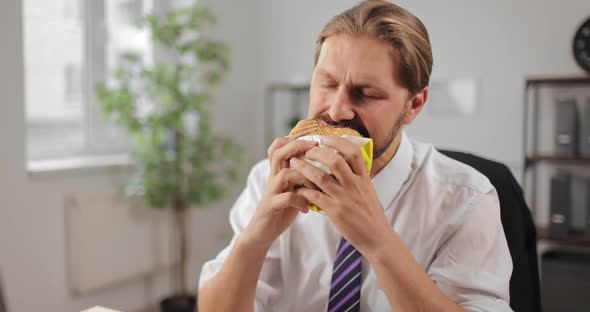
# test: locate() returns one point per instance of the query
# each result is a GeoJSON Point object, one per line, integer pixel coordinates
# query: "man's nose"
{"type": "Point", "coordinates": [341, 108]}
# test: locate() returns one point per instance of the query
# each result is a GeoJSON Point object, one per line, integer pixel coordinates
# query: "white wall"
{"type": "Point", "coordinates": [238, 97]}
{"type": "Point", "coordinates": [12, 179]}
{"type": "Point", "coordinates": [33, 240]}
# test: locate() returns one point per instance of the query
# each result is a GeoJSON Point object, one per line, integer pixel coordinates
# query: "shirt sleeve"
{"type": "Point", "coordinates": [474, 266]}
{"type": "Point", "coordinates": [269, 282]}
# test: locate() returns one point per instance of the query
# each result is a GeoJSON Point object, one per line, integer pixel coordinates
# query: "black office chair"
{"type": "Point", "coordinates": [519, 229]}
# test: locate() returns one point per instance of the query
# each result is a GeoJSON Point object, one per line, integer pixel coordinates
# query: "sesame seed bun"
{"type": "Point", "coordinates": [314, 127]}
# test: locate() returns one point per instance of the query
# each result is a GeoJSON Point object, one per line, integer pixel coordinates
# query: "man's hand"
{"type": "Point", "coordinates": [348, 197]}
{"type": "Point", "coordinates": [279, 204]}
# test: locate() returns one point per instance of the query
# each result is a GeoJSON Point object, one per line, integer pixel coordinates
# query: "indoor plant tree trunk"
{"type": "Point", "coordinates": [182, 301]}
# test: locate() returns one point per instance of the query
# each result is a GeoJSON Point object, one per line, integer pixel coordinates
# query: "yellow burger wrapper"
{"type": "Point", "coordinates": [365, 144]}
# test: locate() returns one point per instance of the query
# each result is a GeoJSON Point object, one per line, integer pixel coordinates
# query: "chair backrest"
{"type": "Point", "coordinates": [519, 229]}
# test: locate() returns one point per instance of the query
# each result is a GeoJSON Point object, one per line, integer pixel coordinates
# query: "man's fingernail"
{"type": "Point", "coordinates": [294, 162]}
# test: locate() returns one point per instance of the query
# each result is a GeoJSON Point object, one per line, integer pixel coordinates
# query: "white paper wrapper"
{"type": "Point", "coordinates": [365, 145]}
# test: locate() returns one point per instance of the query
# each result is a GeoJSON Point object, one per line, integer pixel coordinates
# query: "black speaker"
{"type": "Point", "coordinates": [565, 281]}
{"type": "Point", "coordinates": [584, 137]}
{"type": "Point", "coordinates": [566, 126]}
{"type": "Point", "coordinates": [560, 203]}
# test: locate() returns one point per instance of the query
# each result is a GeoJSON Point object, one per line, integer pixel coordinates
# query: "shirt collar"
{"type": "Point", "coordinates": [390, 179]}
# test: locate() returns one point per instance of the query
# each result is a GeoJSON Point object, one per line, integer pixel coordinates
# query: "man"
{"type": "Point", "coordinates": [421, 232]}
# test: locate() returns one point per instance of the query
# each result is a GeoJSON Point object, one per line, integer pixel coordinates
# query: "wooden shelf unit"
{"type": "Point", "coordinates": [532, 155]}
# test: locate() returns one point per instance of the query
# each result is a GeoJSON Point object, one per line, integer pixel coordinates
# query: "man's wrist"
{"type": "Point", "coordinates": [248, 242]}
{"type": "Point", "coordinates": [385, 250]}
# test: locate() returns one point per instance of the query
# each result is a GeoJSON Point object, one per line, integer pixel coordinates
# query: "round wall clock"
{"type": "Point", "coordinates": [582, 46]}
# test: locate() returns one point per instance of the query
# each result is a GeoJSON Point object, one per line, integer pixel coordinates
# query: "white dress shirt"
{"type": "Point", "coordinates": [447, 213]}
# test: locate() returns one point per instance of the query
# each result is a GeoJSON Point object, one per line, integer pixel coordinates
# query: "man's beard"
{"type": "Point", "coordinates": [379, 150]}
{"type": "Point", "coordinates": [359, 126]}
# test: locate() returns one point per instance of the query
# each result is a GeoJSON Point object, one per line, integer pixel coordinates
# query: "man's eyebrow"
{"type": "Point", "coordinates": [325, 73]}
{"type": "Point", "coordinates": [368, 85]}
{"type": "Point", "coordinates": [360, 84]}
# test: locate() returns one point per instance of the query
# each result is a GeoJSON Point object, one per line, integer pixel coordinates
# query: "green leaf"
{"type": "Point", "coordinates": [131, 57]}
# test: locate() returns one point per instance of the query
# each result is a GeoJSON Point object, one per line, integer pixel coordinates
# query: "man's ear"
{"type": "Point", "coordinates": [416, 104]}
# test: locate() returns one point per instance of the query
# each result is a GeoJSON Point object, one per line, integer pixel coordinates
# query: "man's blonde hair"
{"type": "Point", "coordinates": [389, 22]}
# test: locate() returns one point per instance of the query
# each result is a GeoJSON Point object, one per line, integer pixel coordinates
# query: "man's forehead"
{"type": "Point", "coordinates": [361, 58]}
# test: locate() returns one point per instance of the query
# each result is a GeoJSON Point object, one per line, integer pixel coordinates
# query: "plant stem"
{"type": "Point", "coordinates": [180, 212]}
{"type": "Point", "coordinates": [180, 217]}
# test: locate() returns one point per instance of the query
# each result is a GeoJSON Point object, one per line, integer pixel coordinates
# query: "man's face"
{"type": "Point", "coordinates": [354, 85]}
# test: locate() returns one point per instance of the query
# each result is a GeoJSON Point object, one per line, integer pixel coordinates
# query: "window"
{"type": "Point", "coordinates": [70, 45]}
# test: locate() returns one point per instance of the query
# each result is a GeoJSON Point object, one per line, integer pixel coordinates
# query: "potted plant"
{"type": "Point", "coordinates": [165, 107]}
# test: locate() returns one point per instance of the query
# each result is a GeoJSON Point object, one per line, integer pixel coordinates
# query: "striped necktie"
{"type": "Point", "coordinates": [345, 290]}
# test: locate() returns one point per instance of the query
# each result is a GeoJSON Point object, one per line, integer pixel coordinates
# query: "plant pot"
{"type": "Point", "coordinates": [179, 303]}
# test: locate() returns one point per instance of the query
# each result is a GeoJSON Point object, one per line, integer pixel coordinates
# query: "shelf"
{"type": "Point", "coordinates": [556, 158]}
{"type": "Point", "coordinates": [558, 80]}
{"type": "Point", "coordinates": [571, 238]}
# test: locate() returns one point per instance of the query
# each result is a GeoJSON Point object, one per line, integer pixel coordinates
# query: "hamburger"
{"type": "Point", "coordinates": [313, 130]}
{"type": "Point", "coordinates": [313, 127]}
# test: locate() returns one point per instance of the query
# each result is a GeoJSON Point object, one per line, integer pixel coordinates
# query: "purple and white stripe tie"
{"type": "Point", "coordinates": [345, 290]}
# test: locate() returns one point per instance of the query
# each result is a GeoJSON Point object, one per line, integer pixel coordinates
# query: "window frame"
{"type": "Point", "coordinates": [102, 141]}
